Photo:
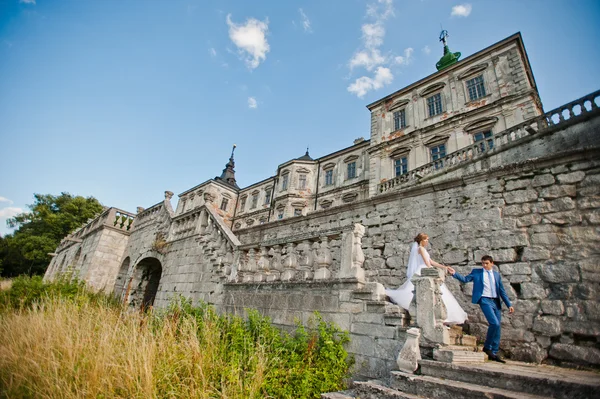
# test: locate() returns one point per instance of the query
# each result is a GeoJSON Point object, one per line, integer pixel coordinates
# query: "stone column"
{"type": "Point", "coordinates": [431, 311]}
{"type": "Point", "coordinates": [352, 254]}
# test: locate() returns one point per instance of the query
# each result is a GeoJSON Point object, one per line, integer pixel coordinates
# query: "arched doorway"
{"type": "Point", "coordinates": [145, 282]}
{"type": "Point", "coordinates": [120, 282]}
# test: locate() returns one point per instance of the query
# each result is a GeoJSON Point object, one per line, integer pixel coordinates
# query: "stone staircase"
{"type": "Point", "coordinates": [462, 349]}
{"type": "Point", "coordinates": [490, 380]}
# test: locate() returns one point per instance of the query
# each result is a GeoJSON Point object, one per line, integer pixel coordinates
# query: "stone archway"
{"type": "Point", "coordinates": [121, 280]}
{"type": "Point", "coordinates": [145, 282]}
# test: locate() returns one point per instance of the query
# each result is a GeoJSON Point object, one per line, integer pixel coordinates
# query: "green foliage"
{"type": "Point", "coordinates": [39, 231]}
{"type": "Point", "coordinates": [300, 365]}
{"type": "Point", "coordinates": [26, 292]}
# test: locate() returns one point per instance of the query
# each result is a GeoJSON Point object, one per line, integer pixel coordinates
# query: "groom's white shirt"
{"type": "Point", "coordinates": [487, 284]}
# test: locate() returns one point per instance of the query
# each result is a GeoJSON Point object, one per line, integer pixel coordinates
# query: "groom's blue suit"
{"type": "Point", "coordinates": [489, 306]}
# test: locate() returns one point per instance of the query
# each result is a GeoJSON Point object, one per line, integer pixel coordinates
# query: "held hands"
{"type": "Point", "coordinates": [450, 270]}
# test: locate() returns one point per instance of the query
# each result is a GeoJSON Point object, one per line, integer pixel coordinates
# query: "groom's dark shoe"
{"type": "Point", "coordinates": [498, 359]}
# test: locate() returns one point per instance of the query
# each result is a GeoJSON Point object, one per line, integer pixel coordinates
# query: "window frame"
{"type": "Point", "coordinates": [302, 181]}
{"type": "Point", "coordinates": [438, 160]}
{"type": "Point", "coordinates": [486, 140]}
{"type": "Point", "coordinates": [433, 102]}
{"type": "Point", "coordinates": [285, 180]}
{"type": "Point", "coordinates": [224, 203]}
{"type": "Point", "coordinates": [268, 195]}
{"type": "Point", "coordinates": [400, 122]}
{"type": "Point", "coordinates": [254, 203]}
{"type": "Point", "coordinates": [477, 86]}
{"type": "Point", "coordinates": [403, 165]}
{"type": "Point", "coordinates": [243, 203]}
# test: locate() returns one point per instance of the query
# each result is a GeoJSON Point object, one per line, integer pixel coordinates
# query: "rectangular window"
{"type": "Point", "coordinates": [329, 177]}
{"type": "Point", "coordinates": [284, 182]}
{"type": "Point", "coordinates": [437, 153]}
{"type": "Point", "coordinates": [399, 119]}
{"type": "Point", "coordinates": [302, 182]}
{"type": "Point", "coordinates": [434, 104]}
{"type": "Point", "coordinates": [243, 204]}
{"type": "Point", "coordinates": [280, 215]}
{"type": "Point", "coordinates": [400, 166]}
{"type": "Point", "coordinates": [351, 170]}
{"type": "Point", "coordinates": [485, 139]}
{"type": "Point", "coordinates": [268, 196]}
{"type": "Point", "coordinates": [476, 88]}
{"type": "Point", "coordinates": [297, 212]}
{"type": "Point", "coordinates": [254, 201]}
{"type": "Point", "coordinates": [224, 204]}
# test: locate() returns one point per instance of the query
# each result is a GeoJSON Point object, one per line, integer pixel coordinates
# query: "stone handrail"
{"type": "Point", "coordinates": [119, 219]}
{"type": "Point", "coordinates": [571, 111]}
{"type": "Point", "coordinates": [430, 309]}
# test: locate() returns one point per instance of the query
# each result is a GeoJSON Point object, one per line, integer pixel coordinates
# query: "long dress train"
{"type": "Point", "coordinates": [404, 294]}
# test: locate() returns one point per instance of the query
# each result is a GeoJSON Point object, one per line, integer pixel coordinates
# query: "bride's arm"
{"type": "Point", "coordinates": [430, 262]}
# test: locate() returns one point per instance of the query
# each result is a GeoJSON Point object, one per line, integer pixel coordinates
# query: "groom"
{"type": "Point", "coordinates": [487, 291]}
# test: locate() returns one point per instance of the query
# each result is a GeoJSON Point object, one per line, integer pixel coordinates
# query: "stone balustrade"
{"type": "Point", "coordinates": [569, 112]}
{"type": "Point", "coordinates": [303, 259]}
{"type": "Point", "coordinates": [119, 219]}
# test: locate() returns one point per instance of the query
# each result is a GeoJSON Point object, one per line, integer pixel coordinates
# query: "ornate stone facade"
{"type": "Point", "coordinates": [466, 155]}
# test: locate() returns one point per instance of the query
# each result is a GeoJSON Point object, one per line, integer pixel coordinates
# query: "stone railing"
{"type": "Point", "coordinates": [430, 309]}
{"type": "Point", "coordinates": [571, 111]}
{"type": "Point", "coordinates": [119, 219]}
{"type": "Point", "coordinates": [302, 259]}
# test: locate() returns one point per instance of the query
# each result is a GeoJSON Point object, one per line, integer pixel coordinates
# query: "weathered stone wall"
{"type": "Point", "coordinates": [535, 207]}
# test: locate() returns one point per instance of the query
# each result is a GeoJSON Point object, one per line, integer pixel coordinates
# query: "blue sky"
{"type": "Point", "coordinates": [122, 100]}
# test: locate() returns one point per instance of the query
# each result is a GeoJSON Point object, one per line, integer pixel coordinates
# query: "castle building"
{"type": "Point", "coordinates": [466, 154]}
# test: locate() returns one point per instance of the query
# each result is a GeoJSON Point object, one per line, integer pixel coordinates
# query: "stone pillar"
{"type": "Point", "coordinates": [431, 311]}
{"type": "Point", "coordinates": [352, 254]}
{"type": "Point", "coordinates": [324, 261]}
{"type": "Point", "coordinates": [409, 356]}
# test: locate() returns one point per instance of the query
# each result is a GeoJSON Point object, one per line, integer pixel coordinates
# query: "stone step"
{"type": "Point", "coordinates": [438, 388]}
{"type": "Point", "coordinates": [349, 394]}
{"type": "Point", "coordinates": [370, 292]}
{"type": "Point", "coordinates": [395, 320]}
{"type": "Point", "coordinates": [543, 380]}
{"type": "Point", "coordinates": [458, 355]}
{"type": "Point", "coordinates": [374, 390]}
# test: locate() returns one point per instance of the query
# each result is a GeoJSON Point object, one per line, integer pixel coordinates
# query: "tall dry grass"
{"type": "Point", "coordinates": [76, 349]}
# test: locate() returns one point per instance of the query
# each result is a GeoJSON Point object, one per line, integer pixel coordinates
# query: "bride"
{"type": "Point", "coordinates": [418, 259]}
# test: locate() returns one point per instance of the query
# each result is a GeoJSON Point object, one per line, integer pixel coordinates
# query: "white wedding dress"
{"type": "Point", "coordinates": [403, 296]}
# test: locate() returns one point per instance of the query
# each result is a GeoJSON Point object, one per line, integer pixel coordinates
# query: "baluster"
{"type": "Point", "coordinates": [262, 266]}
{"type": "Point", "coordinates": [275, 264]}
{"type": "Point", "coordinates": [250, 266]}
{"type": "Point", "coordinates": [323, 261]}
{"type": "Point", "coordinates": [290, 263]}
{"type": "Point", "coordinates": [306, 261]}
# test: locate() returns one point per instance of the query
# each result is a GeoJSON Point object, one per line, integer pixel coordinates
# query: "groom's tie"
{"type": "Point", "coordinates": [492, 283]}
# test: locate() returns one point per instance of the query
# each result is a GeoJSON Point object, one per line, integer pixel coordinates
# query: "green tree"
{"type": "Point", "coordinates": [39, 231]}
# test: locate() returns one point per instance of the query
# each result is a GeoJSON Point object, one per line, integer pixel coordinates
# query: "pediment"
{"type": "Point", "coordinates": [400, 151]}
{"type": "Point", "coordinates": [302, 170]}
{"type": "Point", "coordinates": [399, 104]}
{"type": "Point", "coordinates": [328, 166]}
{"type": "Point", "coordinates": [351, 158]}
{"type": "Point", "coordinates": [437, 139]}
{"type": "Point", "coordinates": [298, 204]}
{"type": "Point", "coordinates": [481, 124]}
{"type": "Point", "coordinates": [473, 70]}
{"type": "Point", "coordinates": [432, 89]}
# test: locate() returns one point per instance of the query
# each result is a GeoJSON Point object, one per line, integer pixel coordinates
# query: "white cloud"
{"type": "Point", "coordinates": [27, 1]}
{"type": "Point", "coordinates": [367, 59]}
{"type": "Point", "coordinates": [305, 21]}
{"type": "Point", "coordinates": [373, 34]}
{"type": "Point", "coordinates": [4, 199]}
{"type": "Point", "coordinates": [252, 104]}
{"type": "Point", "coordinates": [212, 52]}
{"type": "Point", "coordinates": [426, 50]}
{"type": "Point", "coordinates": [406, 59]}
{"type": "Point", "coordinates": [364, 84]}
{"type": "Point", "coordinates": [9, 212]}
{"type": "Point", "coordinates": [461, 10]}
{"type": "Point", "coordinates": [251, 40]}
{"type": "Point", "coordinates": [382, 9]}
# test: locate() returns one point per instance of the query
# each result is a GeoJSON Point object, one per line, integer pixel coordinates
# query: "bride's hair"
{"type": "Point", "coordinates": [420, 237]}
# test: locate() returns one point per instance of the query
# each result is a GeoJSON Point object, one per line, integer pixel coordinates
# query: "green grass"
{"type": "Point", "coordinates": [59, 340]}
